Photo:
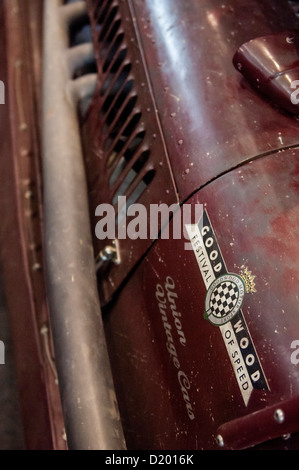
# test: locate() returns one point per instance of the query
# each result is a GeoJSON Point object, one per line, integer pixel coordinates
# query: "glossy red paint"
{"type": "Point", "coordinates": [245, 230]}
{"type": "Point", "coordinates": [199, 116]}
{"type": "Point", "coordinates": [202, 99]}
{"type": "Point", "coordinates": [230, 149]}
{"type": "Point", "coordinates": [193, 131]}
{"type": "Point", "coordinates": [122, 135]}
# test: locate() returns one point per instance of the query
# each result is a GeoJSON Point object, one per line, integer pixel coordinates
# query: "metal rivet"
{"type": "Point", "coordinates": [109, 254]}
{"type": "Point", "coordinates": [36, 267]}
{"type": "Point", "coordinates": [28, 194]}
{"type": "Point", "coordinates": [24, 152]}
{"type": "Point", "coordinates": [279, 415]}
{"type": "Point", "coordinates": [219, 440]}
{"type": "Point", "coordinates": [23, 126]}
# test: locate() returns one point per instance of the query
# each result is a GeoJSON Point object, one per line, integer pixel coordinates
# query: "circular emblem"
{"type": "Point", "coordinates": [224, 298]}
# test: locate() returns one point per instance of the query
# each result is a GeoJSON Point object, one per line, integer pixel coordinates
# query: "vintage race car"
{"type": "Point", "coordinates": [150, 221]}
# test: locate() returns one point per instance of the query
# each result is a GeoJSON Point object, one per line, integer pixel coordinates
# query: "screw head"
{"type": "Point", "coordinates": [279, 415]}
{"type": "Point", "coordinates": [36, 267]}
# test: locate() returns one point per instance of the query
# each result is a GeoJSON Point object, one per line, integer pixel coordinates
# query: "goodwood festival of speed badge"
{"type": "Point", "coordinates": [223, 306]}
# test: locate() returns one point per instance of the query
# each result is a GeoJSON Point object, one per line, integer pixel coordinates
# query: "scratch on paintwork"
{"type": "Point", "coordinates": [175, 97]}
{"type": "Point", "coordinates": [155, 271]}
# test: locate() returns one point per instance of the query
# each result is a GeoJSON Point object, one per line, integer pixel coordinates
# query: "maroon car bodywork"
{"type": "Point", "coordinates": [196, 132]}
{"type": "Point", "coordinates": [234, 151]}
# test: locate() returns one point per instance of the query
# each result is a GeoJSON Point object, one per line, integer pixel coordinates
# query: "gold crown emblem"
{"type": "Point", "coordinates": [248, 279]}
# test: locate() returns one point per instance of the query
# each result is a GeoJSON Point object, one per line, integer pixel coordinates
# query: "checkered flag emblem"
{"type": "Point", "coordinates": [223, 299]}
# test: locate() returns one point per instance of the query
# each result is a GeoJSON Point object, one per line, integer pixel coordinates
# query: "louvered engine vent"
{"type": "Point", "coordinates": [124, 149]}
{"type": "Point", "coordinates": [121, 129]}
